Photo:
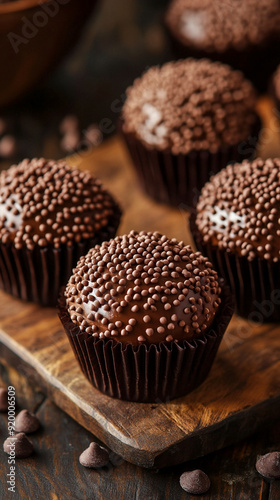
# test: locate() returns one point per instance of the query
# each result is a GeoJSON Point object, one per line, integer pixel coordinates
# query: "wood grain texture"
{"type": "Point", "coordinates": [54, 472]}
{"type": "Point", "coordinates": [240, 394]}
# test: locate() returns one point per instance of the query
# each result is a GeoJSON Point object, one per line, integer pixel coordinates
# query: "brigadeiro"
{"type": "Point", "coordinates": [50, 215]}
{"type": "Point", "coordinates": [183, 122]}
{"type": "Point", "coordinates": [145, 316]}
{"type": "Point", "coordinates": [236, 225]}
{"type": "Point", "coordinates": [244, 35]}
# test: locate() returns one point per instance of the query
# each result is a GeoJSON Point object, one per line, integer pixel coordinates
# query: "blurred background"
{"type": "Point", "coordinates": [119, 40]}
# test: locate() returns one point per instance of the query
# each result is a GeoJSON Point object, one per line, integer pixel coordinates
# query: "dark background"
{"type": "Point", "coordinates": [120, 40]}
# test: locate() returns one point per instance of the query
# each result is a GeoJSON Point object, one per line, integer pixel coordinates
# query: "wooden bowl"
{"type": "Point", "coordinates": [34, 36]}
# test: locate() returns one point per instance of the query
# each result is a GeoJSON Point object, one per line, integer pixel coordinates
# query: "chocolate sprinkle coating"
{"type": "Point", "coordinates": [239, 209]}
{"type": "Point", "coordinates": [218, 25]}
{"type": "Point", "coordinates": [44, 202]}
{"type": "Point", "coordinates": [190, 105]}
{"type": "Point", "coordinates": [143, 288]}
{"type": "Point", "coordinates": [19, 444]}
{"type": "Point", "coordinates": [269, 465]}
{"type": "Point", "coordinates": [195, 482]}
{"type": "Point", "coordinates": [26, 422]}
{"type": "Point", "coordinates": [3, 399]}
{"type": "Point", "coordinates": [94, 456]}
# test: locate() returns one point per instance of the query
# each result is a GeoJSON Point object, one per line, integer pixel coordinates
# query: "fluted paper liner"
{"type": "Point", "coordinates": [37, 275]}
{"type": "Point", "coordinates": [178, 179]}
{"type": "Point", "coordinates": [147, 374]}
{"type": "Point", "coordinates": [255, 283]}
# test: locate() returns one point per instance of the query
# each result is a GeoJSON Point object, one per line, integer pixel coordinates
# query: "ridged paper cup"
{"type": "Point", "coordinates": [178, 179]}
{"type": "Point", "coordinates": [147, 374]}
{"type": "Point", "coordinates": [37, 275]}
{"type": "Point", "coordinates": [254, 283]}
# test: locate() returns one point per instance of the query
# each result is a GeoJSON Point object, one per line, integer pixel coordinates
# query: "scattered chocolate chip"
{"type": "Point", "coordinates": [69, 123]}
{"type": "Point", "coordinates": [3, 399]}
{"type": "Point", "coordinates": [94, 456]}
{"type": "Point", "coordinates": [19, 445]}
{"type": "Point", "coordinates": [269, 465]}
{"type": "Point", "coordinates": [70, 141]}
{"type": "Point", "coordinates": [93, 135]}
{"type": "Point", "coordinates": [7, 146]}
{"type": "Point", "coordinates": [195, 482]}
{"type": "Point", "coordinates": [26, 422]}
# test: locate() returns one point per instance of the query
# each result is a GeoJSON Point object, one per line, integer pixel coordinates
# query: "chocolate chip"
{"type": "Point", "coordinates": [19, 444]}
{"type": "Point", "coordinates": [269, 465]}
{"type": "Point", "coordinates": [94, 456]}
{"type": "Point", "coordinates": [195, 482]}
{"type": "Point", "coordinates": [26, 422]}
{"type": "Point", "coordinates": [3, 399]}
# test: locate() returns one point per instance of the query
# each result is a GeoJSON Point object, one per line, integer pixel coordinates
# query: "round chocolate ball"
{"type": "Point", "coordinates": [50, 215]}
{"type": "Point", "coordinates": [190, 105]}
{"type": "Point", "coordinates": [239, 210]}
{"type": "Point", "coordinates": [143, 288]}
{"type": "Point", "coordinates": [44, 202]}
{"type": "Point", "coordinates": [219, 26]}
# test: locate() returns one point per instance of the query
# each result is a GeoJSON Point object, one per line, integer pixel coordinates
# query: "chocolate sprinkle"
{"type": "Point", "coordinates": [195, 482]}
{"type": "Point", "coordinates": [44, 202]}
{"type": "Point", "coordinates": [190, 105]}
{"type": "Point", "coordinates": [94, 456]}
{"type": "Point", "coordinates": [157, 317]}
{"type": "Point", "coordinates": [239, 209]}
{"type": "Point", "coordinates": [19, 444]}
{"type": "Point", "coordinates": [269, 465]}
{"type": "Point", "coordinates": [26, 422]}
{"type": "Point", "coordinates": [3, 399]}
{"type": "Point", "coordinates": [219, 25]}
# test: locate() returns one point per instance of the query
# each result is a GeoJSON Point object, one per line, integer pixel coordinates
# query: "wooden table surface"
{"type": "Point", "coordinates": [54, 472]}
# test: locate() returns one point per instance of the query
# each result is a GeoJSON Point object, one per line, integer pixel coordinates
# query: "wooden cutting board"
{"type": "Point", "coordinates": [241, 393]}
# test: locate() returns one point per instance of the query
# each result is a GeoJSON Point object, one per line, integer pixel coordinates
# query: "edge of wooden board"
{"type": "Point", "coordinates": [198, 443]}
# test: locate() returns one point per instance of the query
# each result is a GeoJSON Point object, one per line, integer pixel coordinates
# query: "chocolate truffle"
{"type": "Point", "coordinates": [26, 422]}
{"type": "Point", "coordinates": [142, 309]}
{"type": "Point", "coordinates": [143, 288]}
{"type": "Point", "coordinates": [188, 105]}
{"type": "Point", "coordinates": [19, 445]}
{"type": "Point", "coordinates": [195, 482]}
{"type": "Point", "coordinates": [237, 226]}
{"type": "Point", "coordinates": [50, 214]}
{"type": "Point", "coordinates": [94, 456]}
{"type": "Point", "coordinates": [218, 26]}
{"type": "Point", "coordinates": [269, 465]}
{"type": "Point", "coordinates": [239, 209]}
{"type": "Point", "coordinates": [233, 32]}
{"type": "Point", "coordinates": [186, 120]}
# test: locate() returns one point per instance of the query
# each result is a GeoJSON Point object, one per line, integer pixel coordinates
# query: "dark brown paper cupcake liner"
{"type": "Point", "coordinates": [147, 374]}
{"type": "Point", "coordinates": [255, 284]}
{"type": "Point", "coordinates": [37, 275]}
{"type": "Point", "coordinates": [257, 63]}
{"type": "Point", "coordinates": [178, 179]}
